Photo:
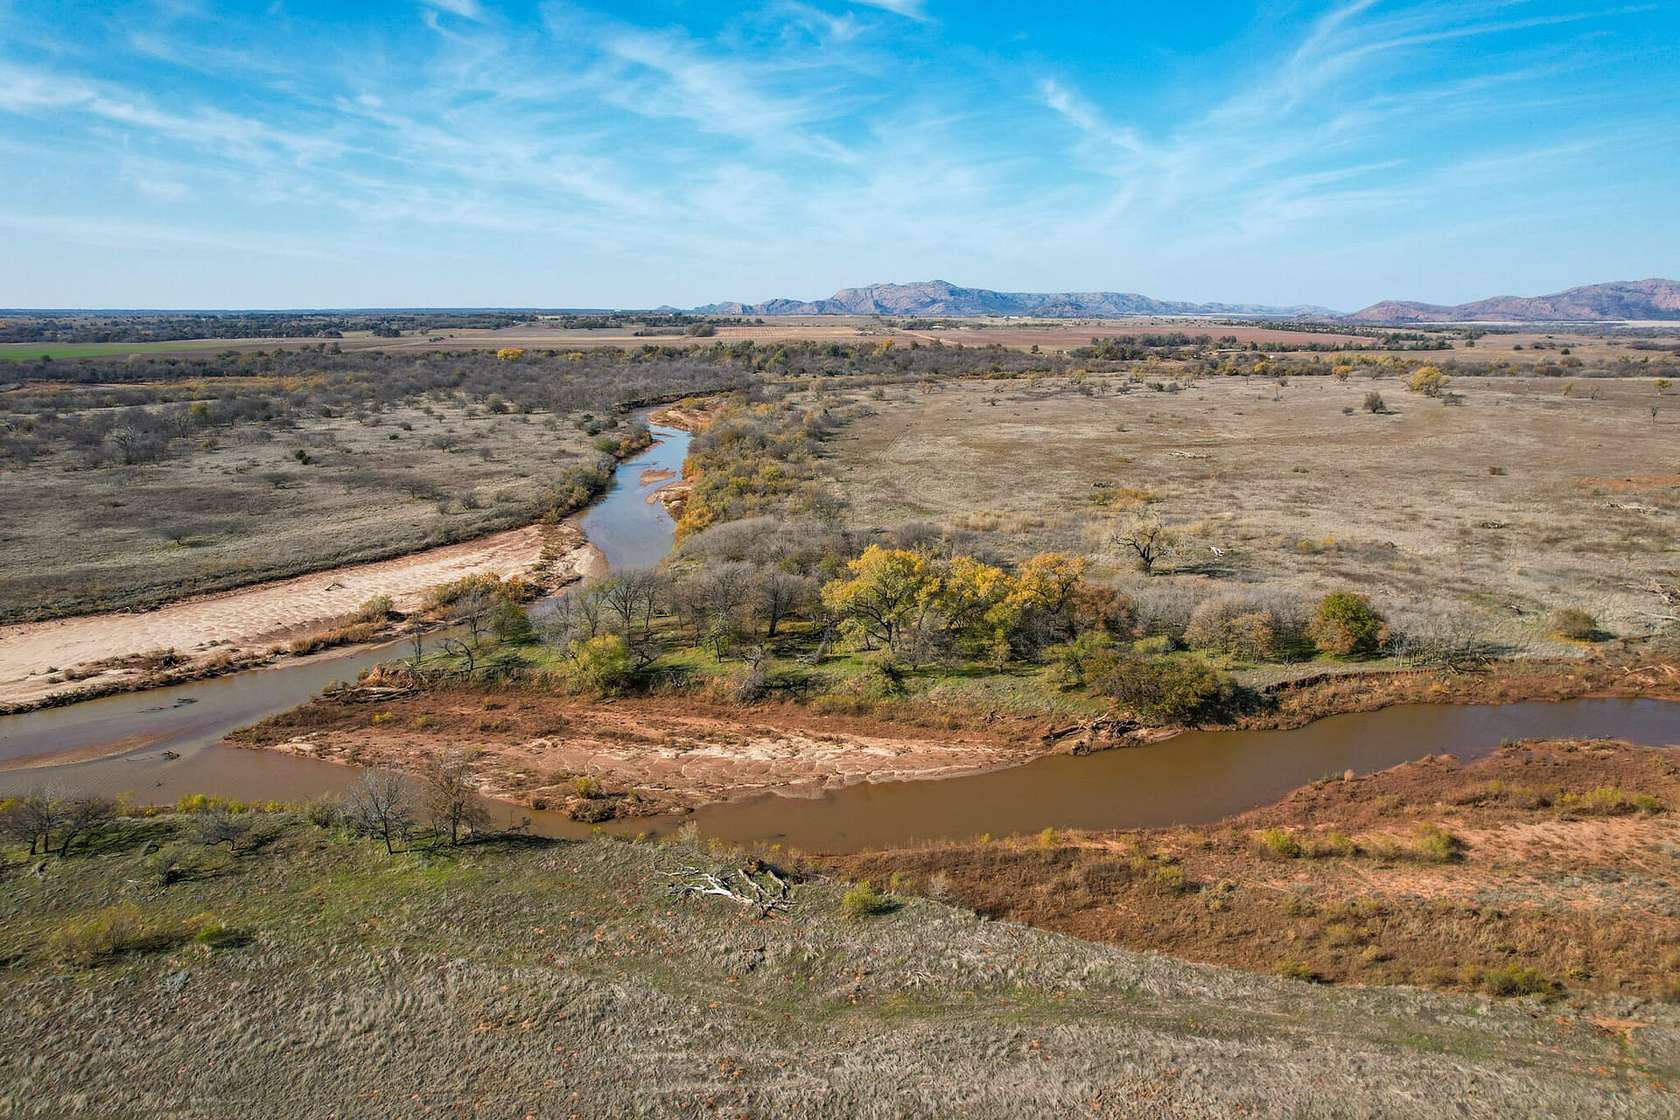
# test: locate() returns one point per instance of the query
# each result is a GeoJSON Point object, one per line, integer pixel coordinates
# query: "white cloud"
{"type": "Point", "coordinates": [909, 9]}
{"type": "Point", "coordinates": [792, 141]}
{"type": "Point", "coordinates": [466, 9]}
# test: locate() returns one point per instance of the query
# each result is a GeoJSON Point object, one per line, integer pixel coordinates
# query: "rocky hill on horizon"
{"type": "Point", "coordinates": [1653, 299]}
{"type": "Point", "coordinates": [1619, 299]}
{"type": "Point", "coordinates": [939, 297]}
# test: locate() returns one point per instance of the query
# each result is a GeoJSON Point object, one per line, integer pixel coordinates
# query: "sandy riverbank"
{"type": "Point", "coordinates": [110, 652]}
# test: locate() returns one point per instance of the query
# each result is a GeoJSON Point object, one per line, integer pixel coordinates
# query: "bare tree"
{"type": "Point", "coordinates": [1148, 539]}
{"type": "Point", "coordinates": [222, 826]}
{"type": "Point", "coordinates": [691, 604]}
{"type": "Point", "coordinates": [731, 587]}
{"type": "Point", "coordinates": [381, 804]}
{"type": "Point", "coordinates": [1457, 641]}
{"type": "Point", "coordinates": [473, 610]}
{"type": "Point", "coordinates": [780, 596]}
{"type": "Point", "coordinates": [32, 817]}
{"type": "Point", "coordinates": [631, 597]}
{"type": "Point", "coordinates": [455, 647]}
{"type": "Point", "coordinates": [452, 799]}
{"type": "Point", "coordinates": [575, 617]}
{"type": "Point", "coordinates": [86, 815]}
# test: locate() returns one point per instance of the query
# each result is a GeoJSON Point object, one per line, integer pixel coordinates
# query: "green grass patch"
{"type": "Point", "coordinates": [35, 351]}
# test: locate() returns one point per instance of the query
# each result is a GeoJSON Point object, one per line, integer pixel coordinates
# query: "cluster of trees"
{"type": "Point", "coordinates": [126, 423]}
{"type": "Point", "coordinates": [143, 409]}
{"type": "Point", "coordinates": [916, 607]}
{"type": "Point", "coordinates": [757, 459]}
{"type": "Point", "coordinates": [442, 802]}
{"type": "Point", "coordinates": [49, 822]}
{"type": "Point", "coordinates": [1135, 671]}
{"type": "Point", "coordinates": [80, 327]}
{"type": "Point", "coordinates": [920, 606]}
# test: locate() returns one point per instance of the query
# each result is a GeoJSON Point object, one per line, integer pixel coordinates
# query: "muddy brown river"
{"type": "Point", "coordinates": [161, 744]}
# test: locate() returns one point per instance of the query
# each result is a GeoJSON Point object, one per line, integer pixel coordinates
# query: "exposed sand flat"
{"type": "Point", "coordinates": [246, 620]}
{"type": "Point", "coordinates": [677, 751]}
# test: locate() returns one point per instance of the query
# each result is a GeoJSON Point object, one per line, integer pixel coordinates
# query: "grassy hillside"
{"type": "Point", "coordinates": [308, 974]}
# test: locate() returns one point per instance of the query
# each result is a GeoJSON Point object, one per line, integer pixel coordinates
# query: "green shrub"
{"type": "Point", "coordinates": [1168, 878]}
{"type": "Point", "coordinates": [1575, 624]}
{"type": "Point", "coordinates": [209, 930]}
{"type": "Point", "coordinates": [377, 609]}
{"type": "Point", "coordinates": [1298, 970]}
{"type": "Point", "coordinates": [509, 622]}
{"type": "Point", "coordinates": [1433, 843]}
{"type": "Point", "coordinates": [1083, 661]}
{"type": "Point", "coordinates": [89, 941]}
{"type": "Point", "coordinates": [1517, 980]}
{"type": "Point", "coordinates": [322, 811]}
{"type": "Point", "coordinates": [1608, 801]}
{"type": "Point", "coordinates": [1345, 624]}
{"type": "Point", "coordinates": [1333, 844]}
{"type": "Point", "coordinates": [1279, 842]}
{"type": "Point", "coordinates": [1382, 847]}
{"type": "Point", "coordinates": [602, 665]}
{"type": "Point", "coordinates": [1166, 690]}
{"type": "Point", "coordinates": [863, 901]}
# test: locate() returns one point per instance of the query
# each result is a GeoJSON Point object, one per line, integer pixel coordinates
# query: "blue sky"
{"type": "Point", "coordinates": [493, 152]}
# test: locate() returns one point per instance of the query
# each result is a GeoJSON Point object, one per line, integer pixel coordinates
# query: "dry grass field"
{"type": "Point", "coordinates": [264, 502]}
{"type": "Point", "coordinates": [1529, 496]}
{"type": "Point", "coordinates": [297, 972]}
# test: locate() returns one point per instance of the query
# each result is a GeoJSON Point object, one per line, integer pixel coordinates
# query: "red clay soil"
{"type": "Point", "coordinates": [1599, 675]}
{"type": "Point", "coordinates": [1545, 867]}
{"type": "Point", "coordinates": [530, 743]}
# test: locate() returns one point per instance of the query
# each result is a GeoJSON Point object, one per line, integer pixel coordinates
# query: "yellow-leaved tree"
{"type": "Point", "coordinates": [974, 601]}
{"type": "Point", "coordinates": [886, 592]}
{"type": "Point", "coordinates": [1428, 380]}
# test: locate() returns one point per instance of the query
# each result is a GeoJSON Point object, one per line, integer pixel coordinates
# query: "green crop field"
{"type": "Point", "coordinates": [35, 351]}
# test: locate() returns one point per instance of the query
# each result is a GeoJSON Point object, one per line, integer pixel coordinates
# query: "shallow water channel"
{"type": "Point", "coordinates": [1196, 777]}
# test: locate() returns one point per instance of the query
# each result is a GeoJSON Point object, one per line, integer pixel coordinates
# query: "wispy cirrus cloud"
{"type": "Point", "coordinates": [909, 9]}
{"type": "Point", "coordinates": [801, 144]}
{"type": "Point", "coordinates": [466, 9]}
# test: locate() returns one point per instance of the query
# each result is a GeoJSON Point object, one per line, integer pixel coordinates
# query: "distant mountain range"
{"type": "Point", "coordinates": [1624, 299]}
{"type": "Point", "coordinates": [1621, 299]}
{"type": "Point", "coordinates": [938, 298]}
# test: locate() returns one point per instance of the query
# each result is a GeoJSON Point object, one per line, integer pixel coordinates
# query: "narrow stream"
{"type": "Point", "coordinates": [1193, 778]}
{"type": "Point", "coordinates": [1196, 777]}
{"type": "Point", "coordinates": [630, 525]}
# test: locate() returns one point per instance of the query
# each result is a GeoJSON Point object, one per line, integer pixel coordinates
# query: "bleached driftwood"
{"type": "Point", "coordinates": [756, 885]}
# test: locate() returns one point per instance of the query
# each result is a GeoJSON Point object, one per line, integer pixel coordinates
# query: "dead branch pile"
{"type": "Point", "coordinates": [756, 885]}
